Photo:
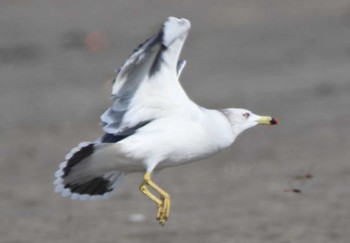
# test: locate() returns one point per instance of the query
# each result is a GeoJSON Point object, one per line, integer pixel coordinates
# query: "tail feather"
{"type": "Point", "coordinates": [74, 179]}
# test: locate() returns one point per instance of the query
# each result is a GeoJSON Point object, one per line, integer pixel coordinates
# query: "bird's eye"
{"type": "Point", "coordinates": [246, 115]}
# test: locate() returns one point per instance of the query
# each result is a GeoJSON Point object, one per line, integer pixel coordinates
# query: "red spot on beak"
{"type": "Point", "coordinates": [274, 121]}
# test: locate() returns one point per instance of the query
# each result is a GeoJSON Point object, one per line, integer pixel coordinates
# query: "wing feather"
{"type": "Point", "coordinates": [147, 86]}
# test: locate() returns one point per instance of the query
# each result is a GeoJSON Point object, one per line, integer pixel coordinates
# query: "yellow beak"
{"type": "Point", "coordinates": [267, 120]}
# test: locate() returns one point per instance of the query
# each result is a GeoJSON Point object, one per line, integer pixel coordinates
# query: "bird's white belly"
{"type": "Point", "coordinates": [170, 145]}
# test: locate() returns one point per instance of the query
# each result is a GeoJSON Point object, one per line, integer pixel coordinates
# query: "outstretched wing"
{"type": "Point", "coordinates": [147, 86]}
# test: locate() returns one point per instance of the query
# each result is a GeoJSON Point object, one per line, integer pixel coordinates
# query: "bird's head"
{"type": "Point", "coordinates": [242, 119]}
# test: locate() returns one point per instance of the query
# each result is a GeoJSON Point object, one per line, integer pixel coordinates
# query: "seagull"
{"type": "Point", "coordinates": [151, 125]}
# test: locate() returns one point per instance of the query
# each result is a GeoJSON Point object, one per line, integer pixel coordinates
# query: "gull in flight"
{"type": "Point", "coordinates": [151, 124]}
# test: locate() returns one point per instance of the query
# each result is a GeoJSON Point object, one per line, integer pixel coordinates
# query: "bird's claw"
{"type": "Point", "coordinates": [163, 210]}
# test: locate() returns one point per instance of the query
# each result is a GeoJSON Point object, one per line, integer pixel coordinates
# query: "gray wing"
{"type": "Point", "coordinates": [147, 76]}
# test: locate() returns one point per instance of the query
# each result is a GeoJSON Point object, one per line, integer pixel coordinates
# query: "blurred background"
{"type": "Point", "coordinates": [289, 59]}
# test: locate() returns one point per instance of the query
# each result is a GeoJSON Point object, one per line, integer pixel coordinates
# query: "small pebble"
{"type": "Point", "coordinates": [136, 217]}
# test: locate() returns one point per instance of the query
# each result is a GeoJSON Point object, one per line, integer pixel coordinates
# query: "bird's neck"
{"type": "Point", "coordinates": [220, 128]}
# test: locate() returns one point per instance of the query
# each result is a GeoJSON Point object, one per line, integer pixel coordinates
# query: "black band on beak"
{"type": "Point", "coordinates": [274, 121]}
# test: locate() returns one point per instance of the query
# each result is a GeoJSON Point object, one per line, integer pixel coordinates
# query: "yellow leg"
{"type": "Point", "coordinates": [144, 190]}
{"type": "Point", "coordinates": [163, 203]}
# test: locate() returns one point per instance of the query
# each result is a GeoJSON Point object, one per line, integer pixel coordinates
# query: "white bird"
{"type": "Point", "coordinates": [152, 124]}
